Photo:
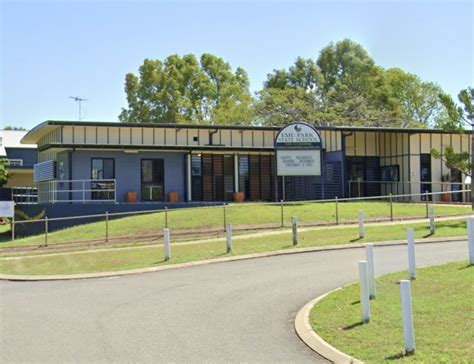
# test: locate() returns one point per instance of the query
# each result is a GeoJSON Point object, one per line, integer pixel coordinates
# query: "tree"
{"type": "Point", "coordinates": [185, 90]}
{"type": "Point", "coordinates": [418, 101]}
{"type": "Point", "coordinates": [3, 171]}
{"type": "Point", "coordinates": [458, 118]}
{"type": "Point", "coordinates": [9, 127]}
{"type": "Point", "coordinates": [344, 86]}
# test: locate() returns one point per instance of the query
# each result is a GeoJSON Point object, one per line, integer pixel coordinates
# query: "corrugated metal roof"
{"type": "Point", "coordinates": [12, 139]}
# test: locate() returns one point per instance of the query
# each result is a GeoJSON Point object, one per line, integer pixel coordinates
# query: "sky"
{"type": "Point", "coordinates": [51, 50]}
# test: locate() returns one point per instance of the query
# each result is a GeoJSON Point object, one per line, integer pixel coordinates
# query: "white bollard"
{"type": "Point", "coordinates": [166, 238]}
{"type": "Point", "coordinates": [228, 231]}
{"type": "Point", "coordinates": [361, 224]}
{"type": "Point", "coordinates": [432, 220]}
{"type": "Point", "coordinates": [470, 239]}
{"type": "Point", "coordinates": [369, 253]}
{"type": "Point", "coordinates": [294, 229]}
{"type": "Point", "coordinates": [411, 253]}
{"type": "Point", "coordinates": [407, 317]}
{"type": "Point", "coordinates": [364, 291]}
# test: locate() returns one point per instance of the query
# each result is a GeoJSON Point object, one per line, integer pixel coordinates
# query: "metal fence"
{"type": "Point", "coordinates": [79, 191]}
{"type": "Point", "coordinates": [445, 191]}
{"type": "Point", "coordinates": [189, 223]}
{"type": "Point", "coordinates": [25, 195]}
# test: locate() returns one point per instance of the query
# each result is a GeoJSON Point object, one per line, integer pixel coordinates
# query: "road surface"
{"type": "Point", "coordinates": [241, 311]}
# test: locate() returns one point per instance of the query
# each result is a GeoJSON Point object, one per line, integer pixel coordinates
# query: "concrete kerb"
{"type": "Point", "coordinates": [22, 278]}
{"type": "Point", "coordinates": [306, 333]}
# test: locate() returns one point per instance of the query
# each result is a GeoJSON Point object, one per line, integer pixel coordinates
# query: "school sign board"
{"type": "Point", "coordinates": [298, 150]}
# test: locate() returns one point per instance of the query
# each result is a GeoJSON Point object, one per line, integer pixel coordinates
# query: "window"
{"type": "Point", "coordinates": [15, 162]}
{"type": "Point", "coordinates": [103, 169]}
{"type": "Point", "coordinates": [153, 179]}
{"type": "Point", "coordinates": [390, 173]}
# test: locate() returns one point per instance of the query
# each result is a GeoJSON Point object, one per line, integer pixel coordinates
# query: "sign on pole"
{"type": "Point", "coordinates": [298, 150]}
{"type": "Point", "coordinates": [7, 208]}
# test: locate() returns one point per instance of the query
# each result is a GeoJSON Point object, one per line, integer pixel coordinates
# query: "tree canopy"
{"type": "Point", "coordinates": [185, 90]}
{"type": "Point", "coordinates": [342, 86]}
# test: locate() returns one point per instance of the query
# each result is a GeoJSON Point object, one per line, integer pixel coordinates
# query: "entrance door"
{"type": "Point", "coordinates": [152, 180]}
{"type": "Point", "coordinates": [425, 174]}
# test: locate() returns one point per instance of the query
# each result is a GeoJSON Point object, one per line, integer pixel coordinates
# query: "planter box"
{"type": "Point", "coordinates": [239, 196]}
{"type": "Point", "coordinates": [131, 197]}
{"type": "Point", "coordinates": [173, 196]}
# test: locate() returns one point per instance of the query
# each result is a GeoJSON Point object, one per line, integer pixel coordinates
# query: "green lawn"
{"type": "Point", "coordinates": [240, 215]}
{"type": "Point", "coordinates": [443, 312]}
{"type": "Point", "coordinates": [139, 257]}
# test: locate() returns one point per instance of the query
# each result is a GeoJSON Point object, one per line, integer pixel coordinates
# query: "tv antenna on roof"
{"type": "Point", "coordinates": [78, 100]}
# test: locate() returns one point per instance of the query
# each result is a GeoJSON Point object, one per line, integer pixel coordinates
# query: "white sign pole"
{"type": "Point", "coordinates": [294, 229]}
{"type": "Point", "coordinates": [432, 220]}
{"type": "Point", "coordinates": [411, 253]}
{"type": "Point", "coordinates": [470, 239]}
{"type": "Point", "coordinates": [361, 224]}
{"type": "Point", "coordinates": [364, 291]}
{"type": "Point", "coordinates": [166, 237]}
{"type": "Point", "coordinates": [228, 230]}
{"type": "Point", "coordinates": [407, 317]}
{"type": "Point", "coordinates": [369, 252]}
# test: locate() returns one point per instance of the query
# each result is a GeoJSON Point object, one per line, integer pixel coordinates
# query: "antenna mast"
{"type": "Point", "coordinates": [79, 101]}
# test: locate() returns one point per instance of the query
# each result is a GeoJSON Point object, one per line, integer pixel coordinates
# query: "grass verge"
{"type": "Point", "coordinates": [149, 256]}
{"type": "Point", "coordinates": [240, 215]}
{"type": "Point", "coordinates": [443, 312]}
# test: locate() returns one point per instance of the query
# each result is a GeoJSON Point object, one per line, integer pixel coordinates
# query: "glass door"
{"type": "Point", "coordinates": [152, 180]}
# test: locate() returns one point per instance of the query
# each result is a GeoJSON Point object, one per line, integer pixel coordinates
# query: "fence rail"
{"type": "Point", "coordinates": [77, 191]}
{"type": "Point", "coordinates": [279, 216]}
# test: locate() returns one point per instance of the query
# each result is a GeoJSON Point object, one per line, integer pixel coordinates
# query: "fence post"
{"type": "Point", "coordinates": [281, 214]}
{"type": "Point", "coordinates": [106, 226]}
{"type": "Point", "coordinates": [166, 217]}
{"type": "Point", "coordinates": [225, 216]}
{"type": "Point", "coordinates": [426, 204]}
{"type": "Point", "coordinates": [46, 230]}
{"type": "Point", "coordinates": [364, 292]}
{"type": "Point", "coordinates": [432, 220]}
{"type": "Point", "coordinates": [166, 239]}
{"type": "Point", "coordinates": [294, 229]}
{"type": "Point", "coordinates": [411, 253]}
{"type": "Point", "coordinates": [391, 206]}
{"type": "Point", "coordinates": [337, 211]}
{"type": "Point", "coordinates": [229, 237]}
{"type": "Point", "coordinates": [470, 239]}
{"type": "Point", "coordinates": [13, 226]}
{"type": "Point", "coordinates": [407, 317]}
{"type": "Point", "coordinates": [84, 191]}
{"type": "Point", "coordinates": [369, 253]}
{"type": "Point", "coordinates": [361, 224]}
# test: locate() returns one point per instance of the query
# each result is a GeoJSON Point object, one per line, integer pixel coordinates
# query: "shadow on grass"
{"type": "Point", "coordinates": [466, 267]}
{"type": "Point", "coordinates": [397, 356]}
{"type": "Point", "coordinates": [428, 235]}
{"type": "Point", "coordinates": [353, 326]}
{"type": "Point", "coordinates": [354, 240]}
{"type": "Point", "coordinates": [355, 303]}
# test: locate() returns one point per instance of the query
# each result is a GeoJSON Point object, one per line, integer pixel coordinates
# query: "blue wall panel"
{"type": "Point", "coordinates": [127, 171]}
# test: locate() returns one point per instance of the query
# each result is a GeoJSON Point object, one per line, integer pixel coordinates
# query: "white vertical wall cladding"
{"type": "Point", "coordinates": [170, 137]}
{"type": "Point", "coordinates": [68, 134]}
{"type": "Point", "coordinates": [91, 135]}
{"type": "Point", "coordinates": [181, 137]}
{"type": "Point", "coordinates": [136, 136]}
{"type": "Point", "coordinates": [269, 138]}
{"type": "Point", "coordinates": [102, 137]}
{"type": "Point", "coordinates": [114, 136]}
{"type": "Point", "coordinates": [226, 137]}
{"type": "Point", "coordinates": [148, 136]}
{"type": "Point", "coordinates": [192, 134]}
{"type": "Point", "coordinates": [159, 136]}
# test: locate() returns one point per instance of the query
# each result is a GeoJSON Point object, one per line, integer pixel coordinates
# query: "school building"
{"type": "Point", "coordinates": [103, 162]}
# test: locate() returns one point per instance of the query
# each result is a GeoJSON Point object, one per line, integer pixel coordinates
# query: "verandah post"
{"type": "Point", "coordinates": [337, 211]}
